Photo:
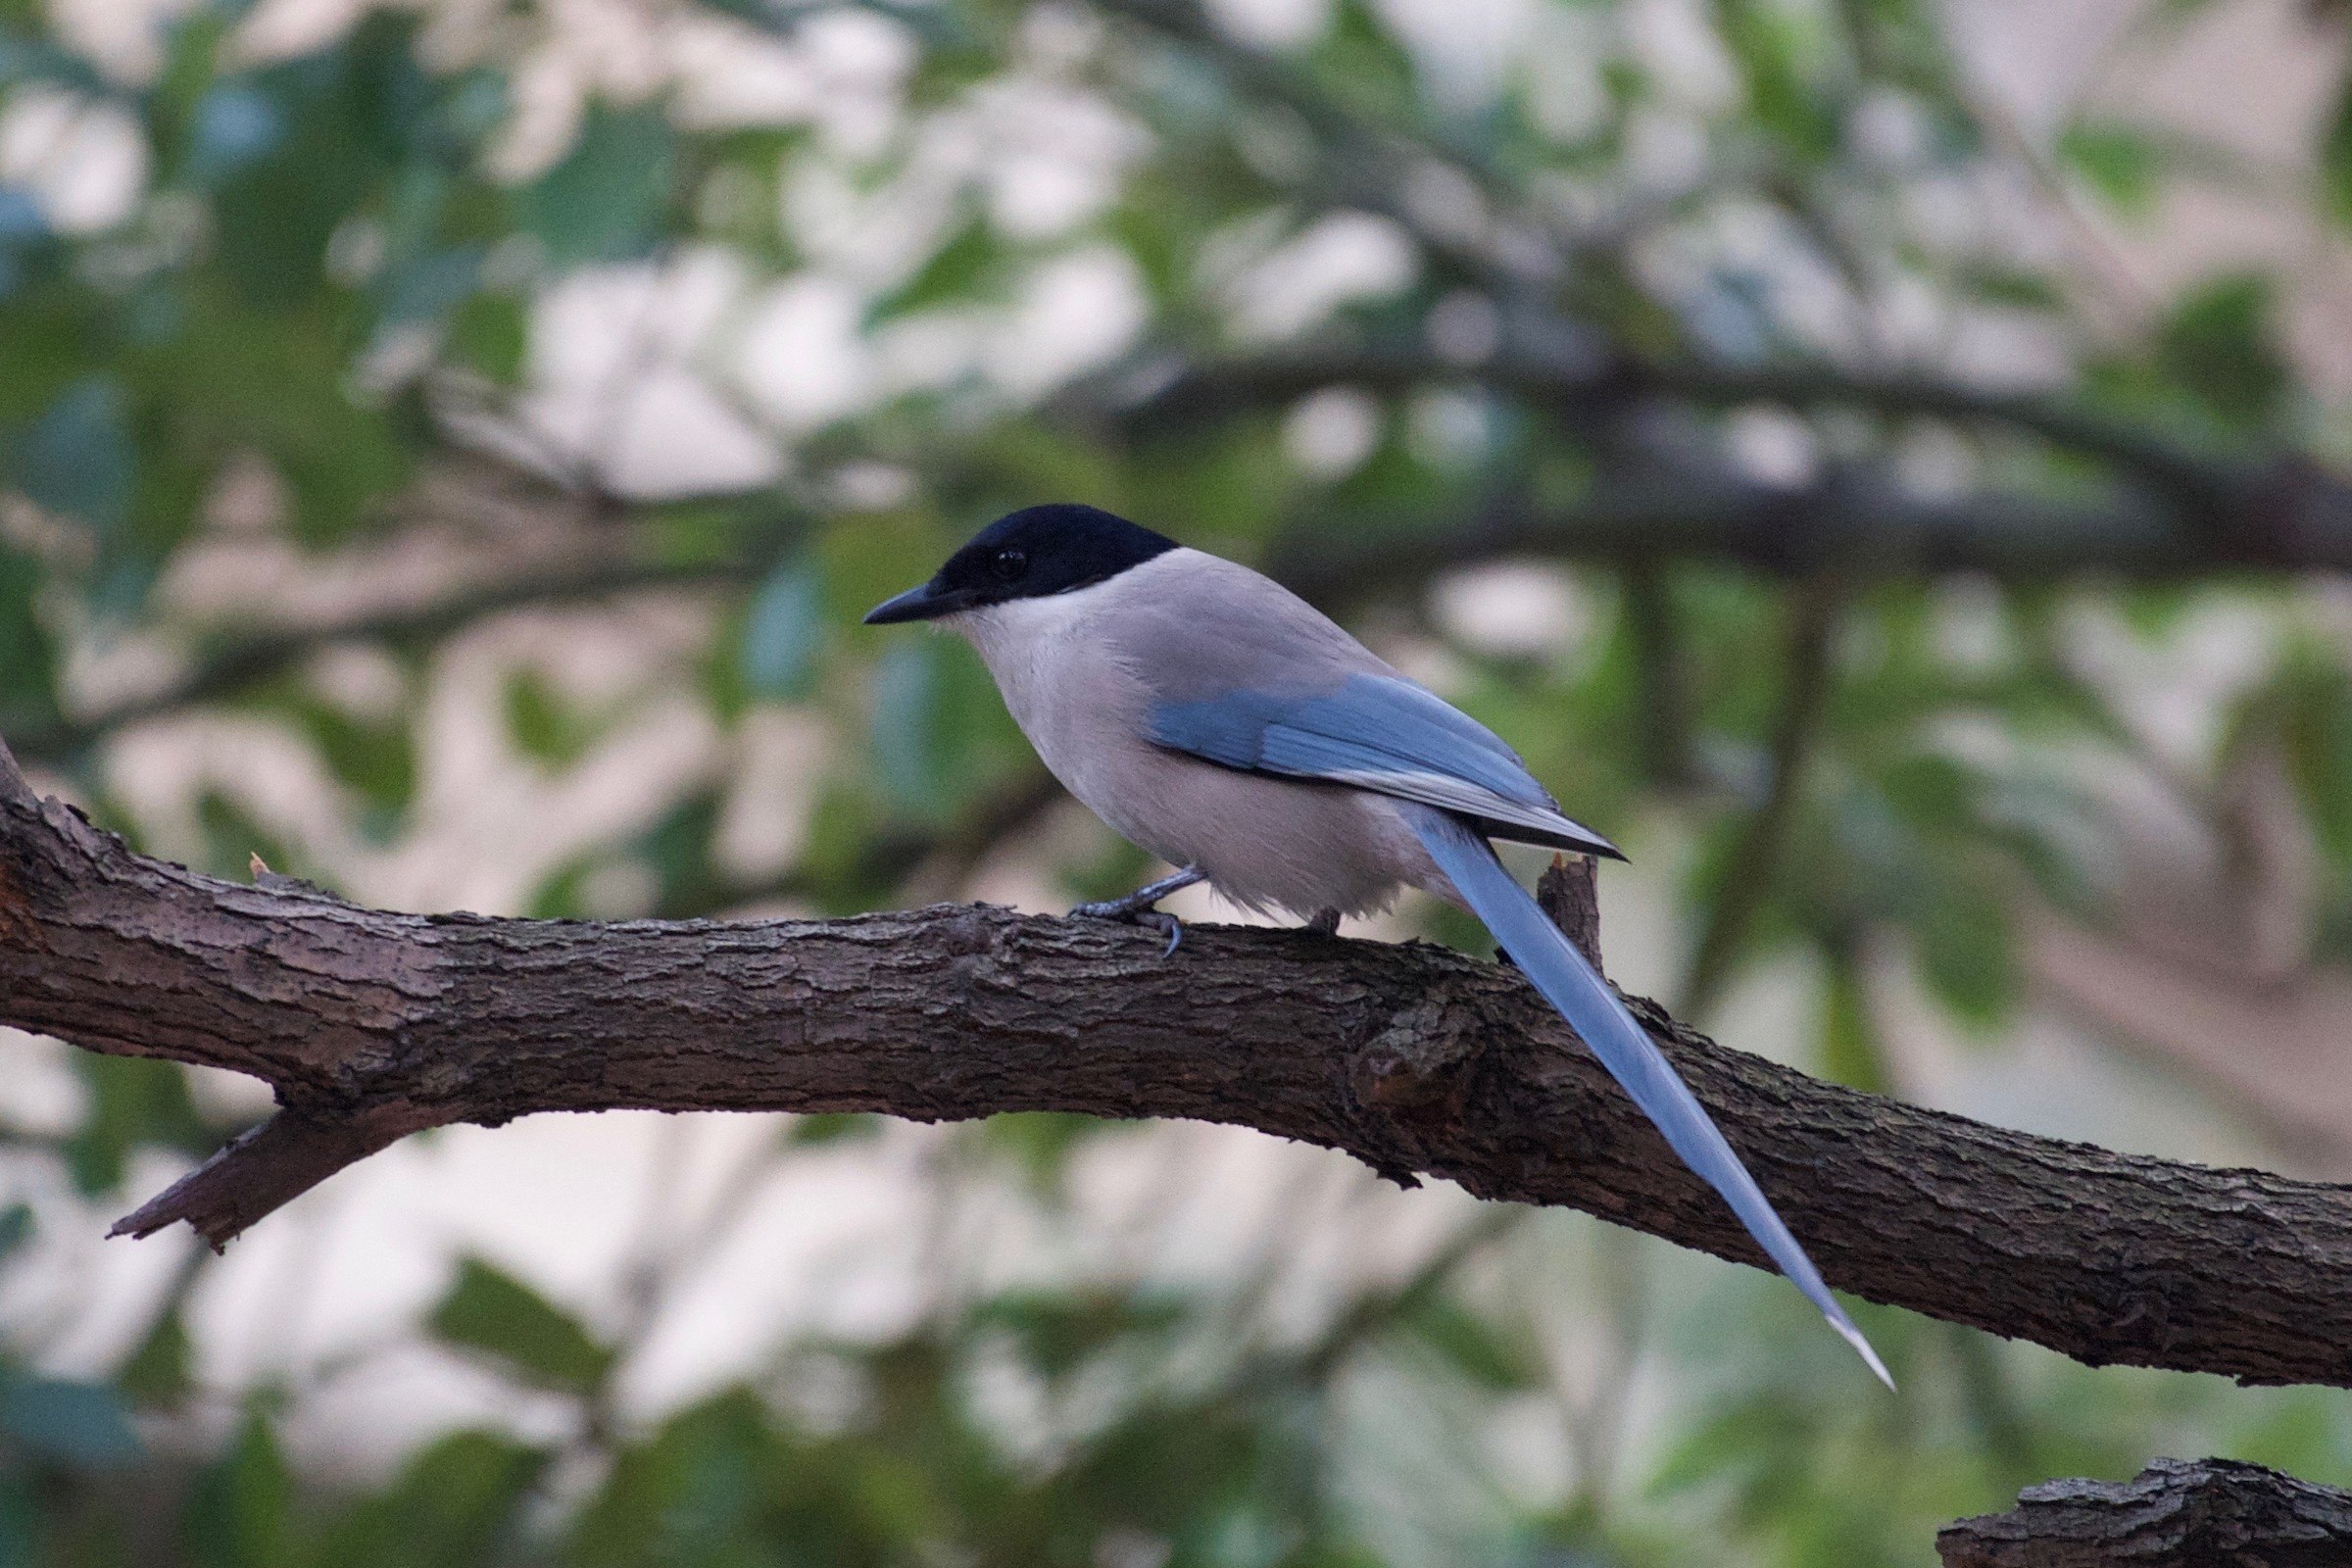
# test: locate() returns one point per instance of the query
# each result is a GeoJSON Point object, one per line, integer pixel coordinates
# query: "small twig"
{"type": "Point", "coordinates": [1569, 891]}
{"type": "Point", "coordinates": [270, 1166]}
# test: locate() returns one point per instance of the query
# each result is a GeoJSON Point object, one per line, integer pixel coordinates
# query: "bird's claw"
{"type": "Point", "coordinates": [1136, 908]}
{"type": "Point", "coordinates": [1163, 920]}
{"type": "Point", "coordinates": [1129, 911]}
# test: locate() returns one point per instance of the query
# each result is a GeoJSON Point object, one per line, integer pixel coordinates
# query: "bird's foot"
{"type": "Point", "coordinates": [1324, 922]}
{"type": "Point", "coordinates": [1136, 908]}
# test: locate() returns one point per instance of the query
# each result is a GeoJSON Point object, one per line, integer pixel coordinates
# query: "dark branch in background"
{"type": "Point", "coordinates": [1866, 529]}
{"type": "Point", "coordinates": [1580, 384]}
{"type": "Point", "coordinates": [1811, 673]}
{"type": "Point", "coordinates": [2178, 512]}
{"type": "Point", "coordinates": [246, 663]}
{"type": "Point", "coordinates": [2211, 1513]}
{"type": "Point", "coordinates": [1853, 521]}
{"type": "Point", "coordinates": [1339, 564]}
{"type": "Point", "coordinates": [2188, 513]}
{"type": "Point", "coordinates": [1412, 1058]}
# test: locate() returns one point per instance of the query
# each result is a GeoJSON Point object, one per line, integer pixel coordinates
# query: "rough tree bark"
{"type": "Point", "coordinates": [1420, 1061]}
{"type": "Point", "coordinates": [2173, 1514]}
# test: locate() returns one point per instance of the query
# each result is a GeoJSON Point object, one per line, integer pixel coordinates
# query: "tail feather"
{"type": "Point", "coordinates": [1572, 985]}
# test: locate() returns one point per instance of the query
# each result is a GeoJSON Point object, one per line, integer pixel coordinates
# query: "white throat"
{"type": "Point", "coordinates": [1021, 630]}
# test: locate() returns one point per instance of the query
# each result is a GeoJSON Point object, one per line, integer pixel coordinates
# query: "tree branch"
{"type": "Point", "coordinates": [2176, 1514]}
{"type": "Point", "coordinates": [1412, 1058]}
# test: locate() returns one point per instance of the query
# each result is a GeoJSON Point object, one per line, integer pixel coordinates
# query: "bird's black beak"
{"type": "Point", "coordinates": [926, 602]}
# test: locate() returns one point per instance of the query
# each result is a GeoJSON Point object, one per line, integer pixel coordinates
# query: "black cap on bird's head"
{"type": "Point", "coordinates": [1028, 554]}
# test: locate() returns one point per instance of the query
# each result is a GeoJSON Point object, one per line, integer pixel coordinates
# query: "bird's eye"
{"type": "Point", "coordinates": [1009, 564]}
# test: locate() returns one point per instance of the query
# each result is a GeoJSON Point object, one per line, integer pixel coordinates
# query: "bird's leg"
{"type": "Point", "coordinates": [1325, 923]}
{"type": "Point", "coordinates": [1136, 908]}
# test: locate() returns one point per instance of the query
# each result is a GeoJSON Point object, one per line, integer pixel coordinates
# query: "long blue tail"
{"type": "Point", "coordinates": [1573, 986]}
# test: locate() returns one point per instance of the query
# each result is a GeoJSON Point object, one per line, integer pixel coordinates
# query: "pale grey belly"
{"type": "Point", "coordinates": [1264, 843]}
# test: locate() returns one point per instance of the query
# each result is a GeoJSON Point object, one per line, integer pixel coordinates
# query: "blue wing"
{"type": "Point", "coordinates": [1573, 987]}
{"type": "Point", "coordinates": [1381, 733]}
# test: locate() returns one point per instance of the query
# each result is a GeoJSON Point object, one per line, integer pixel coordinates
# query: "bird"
{"type": "Point", "coordinates": [1224, 725]}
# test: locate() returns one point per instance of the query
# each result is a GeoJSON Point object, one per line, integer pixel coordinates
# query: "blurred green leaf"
{"type": "Point", "coordinates": [2313, 713]}
{"type": "Point", "coordinates": [952, 274]}
{"type": "Point", "coordinates": [135, 1102]}
{"type": "Point", "coordinates": [1040, 1143]}
{"type": "Point", "coordinates": [1479, 1351]}
{"type": "Point", "coordinates": [241, 1507]}
{"type": "Point", "coordinates": [2218, 347]}
{"type": "Point", "coordinates": [2016, 287]}
{"type": "Point", "coordinates": [374, 757]}
{"type": "Point", "coordinates": [73, 1423]}
{"type": "Point", "coordinates": [540, 723]}
{"type": "Point", "coordinates": [1781, 59]}
{"type": "Point", "coordinates": [822, 1129]}
{"type": "Point", "coordinates": [906, 725]}
{"type": "Point", "coordinates": [2122, 162]}
{"type": "Point", "coordinates": [783, 631]}
{"type": "Point", "coordinates": [605, 201]}
{"type": "Point", "coordinates": [2335, 158]}
{"type": "Point", "coordinates": [277, 383]}
{"type": "Point", "coordinates": [1060, 1331]}
{"type": "Point", "coordinates": [27, 669]}
{"type": "Point", "coordinates": [492, 1312]}
{"type": "Point", "coordinates": [162, 1371]}
{"type": "Point", "coordinates": [1967, 953]}
{"type": "Point", "coordinates": [490, 335]}
{"type": "Point", "coordinates": [1851, 1052]}
{"type": "Point", "coordinates": [77, 457]}
{"type": "Point", "coordinates": [1361, 63]}
{"type": "Point", "coordinates": [462, 1498]}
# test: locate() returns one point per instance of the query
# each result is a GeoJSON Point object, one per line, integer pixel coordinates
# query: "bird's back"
{"type": "Point", "coordinates": [1195, 625]}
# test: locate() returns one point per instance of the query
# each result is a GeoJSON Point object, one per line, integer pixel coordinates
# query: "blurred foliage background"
{"type": "Point", "coordinates": [1873, 456]}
